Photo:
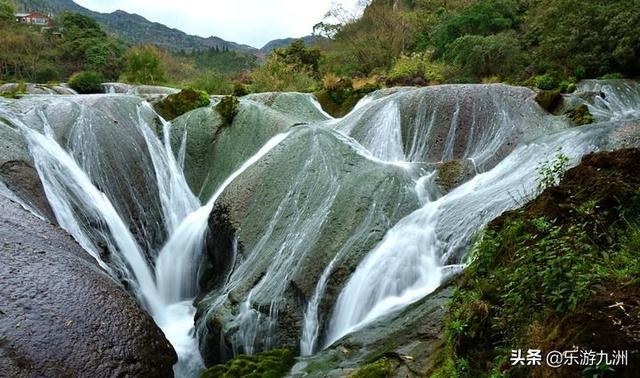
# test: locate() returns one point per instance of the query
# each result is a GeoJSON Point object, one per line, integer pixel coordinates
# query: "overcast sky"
{"type": "Point", "coordinates": [251, 22]}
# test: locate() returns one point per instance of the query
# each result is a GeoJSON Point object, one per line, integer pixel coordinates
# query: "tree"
{"type": "Point", "coordinates": [484, 18]}
{"type": "Point", "coordinates": [484, 56]}
{"type": "Point", "coordinates": [384, 31]}
{"type": "Point", "coordinates": [300, 56]}
{"type": "Point", "coordinates": [144, 66]}
{"type": "Point", "coordinates": [7, 12]}
{"type": "Point", "coordinates": [596, 37]}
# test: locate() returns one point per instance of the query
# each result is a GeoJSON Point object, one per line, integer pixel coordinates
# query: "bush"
{"type": "Point", "coordinates": [580, 116]}
{"type": "Point", "coordinates": [479, 56]}
{"type": "Point", "coordinates": [144, 66]}
{"type": "Point", "coordinates": [228, 109]}
{"type": "Point", "coordinates": [178, 104]}
{"type": "Point", "coordinates": [86, 82]}
{"type": "Point", "coordinates": [213, 83]}
{"type": "Point", "coordinates": [277, 75]}
{"type": "Point", "coordinates": [546, 82]}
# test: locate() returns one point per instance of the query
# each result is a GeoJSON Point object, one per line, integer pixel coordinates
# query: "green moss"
{"type": "Point", "coordinates": [228, 109]}
{"type": "Point", "coordinates": [580, 116]}
{"type": "Point", "coordinates": [20, 91]}
{"type": "Point", "coordinates": [272, 364]}
{"type": "Point", "coordinates": [549, 99]}
{"type": "Point", "coordinates": [379, 369]}
{"type": "Point", "coordinates": [178, 104]}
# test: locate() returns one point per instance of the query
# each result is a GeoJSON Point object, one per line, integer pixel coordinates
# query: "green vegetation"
{"type": "Point", "coordinates": [554, 273]}
{"type": "Point", "coordinates": [144, 66]}
{"type": "Point", "coordinates": [580, 116]}
{"type": "Point", "coordinates": [379, 369]}
{"type": "Point", "coordinates": [273, 364]}
{"type": "Point", "coordinates": [178, 104]}
{"type": "Point", "coordinates": [228, 109]}
{"type": "Point", "coordinates": [86, 82]}
{"type": "Point", "coordinates": [546, 44]}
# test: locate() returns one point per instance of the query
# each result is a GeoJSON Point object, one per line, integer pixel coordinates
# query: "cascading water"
{"type": "Point", "coordinates": [114, 185]}
{"type": "Point", "coordinates": [90, 216]}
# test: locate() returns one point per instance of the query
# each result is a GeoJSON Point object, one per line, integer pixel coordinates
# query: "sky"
{"type": "Point", "coordinates": [250, 22]}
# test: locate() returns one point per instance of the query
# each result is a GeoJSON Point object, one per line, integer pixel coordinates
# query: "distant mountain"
{"type": "Point", "coordinates": [135, 28]}
{"type": "Point", "coordinates": [279, 43]}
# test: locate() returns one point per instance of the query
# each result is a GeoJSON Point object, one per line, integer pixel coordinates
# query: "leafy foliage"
{"type": "Point", "coordinates": [144, 66]}
{"type": "Point", "coordinates": [228, 109]}
{"type": "Point", "coordinates": [178, 104]}
{"type": "Point", "coordinates": [550, 173]}
{"type": "Point", "coordinates": [548, 275]}
{"type": "Point", "coordinates": [86, 82]}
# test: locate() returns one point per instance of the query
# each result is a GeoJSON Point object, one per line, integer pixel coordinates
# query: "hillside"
{"type": "Point", "coordinates": [284, 42]}
{"type": "Point", "coordinates": [136, 29]}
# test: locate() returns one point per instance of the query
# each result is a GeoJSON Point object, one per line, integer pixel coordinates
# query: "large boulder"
{"type": "Point", "coordinates": [214, 148]}
{"type": "Point", "coordinates": [312, 207]}
{"type": "Point", "coordinates": [60, 315]}
{"type": "Point", "coordinates": [448, 122]}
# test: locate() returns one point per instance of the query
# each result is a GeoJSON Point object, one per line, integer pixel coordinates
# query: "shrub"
{"type": "Point", "coordinates": [276, 75]}
{"type": "Point", "coordinates": [178, 104]}
{"type": "Point", "coordinates": [549, 100]}
{"type": "Point", "coordinates": [228, 109]}
{"type": "Point", "coordinates": [144, 66]}
{"type": "Point", "coordinates": [479, 56]}
{"type": "Point", "coordinates": [407, 67]}
{"type": "Point", "coordinates": [213, 83]}
{"type": "Point", "coordinates": [613, 76]}
{"type": "Point", "coordinates": [86, 82]}
{"type": "Point", "coordinates": [546, 82]}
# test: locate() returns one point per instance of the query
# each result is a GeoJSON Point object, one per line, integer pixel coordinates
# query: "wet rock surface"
{"type": "Point", "coordinates": [61, 316]}
{"type": "Point", "coordinates": [409, 342]}
{"type": "Point", "coordinates": [453, 173]}
{"type": "Point", "coordinates": [293, 212]}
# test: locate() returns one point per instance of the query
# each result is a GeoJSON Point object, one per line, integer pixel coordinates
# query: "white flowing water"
{"type": "Point", "coordinates": [412, 259]}
{"type": "Point", "coordinates": [84, 211]}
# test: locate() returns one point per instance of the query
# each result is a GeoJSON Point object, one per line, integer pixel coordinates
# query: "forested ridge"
{"type": "Point", "coordinates": [548, 44]}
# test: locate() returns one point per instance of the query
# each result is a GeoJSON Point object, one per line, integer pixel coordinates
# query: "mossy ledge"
{"type": "Point", "coordinates": [580, 116]}
{"type": "Point", "coordinates": [180, 103]}
{"type": "Point", "coordinates": [272, 364]}
{"type": "Point", "coordinates": [560, 272]}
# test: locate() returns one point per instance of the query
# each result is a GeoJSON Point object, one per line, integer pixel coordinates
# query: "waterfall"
{"type": "Point", "coordinates": [414, 256]}
{"type": "Point", "coordinates": [90, 216]}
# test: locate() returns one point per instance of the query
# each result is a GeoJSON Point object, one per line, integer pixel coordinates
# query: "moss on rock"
{"type": "Point", "coordinates": [272, 364]}
{"type": "Point", "coordinates": [180, 103]}
{"type": "Point", "coordinates": [453, 173]}
{"type": "Point", "coordinates": [379, 369]}
{"type": "Point", "coordinates": [549, 99]}
{"type": "Point", "coordinates": [580, 116]}
{"type": "Point", "coordinates": [228, 109]}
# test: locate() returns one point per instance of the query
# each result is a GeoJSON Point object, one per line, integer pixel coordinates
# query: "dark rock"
{"type": "Point", "coordinates": [22, 178]}
{"type": "Point", "coordinates": [61, 316]}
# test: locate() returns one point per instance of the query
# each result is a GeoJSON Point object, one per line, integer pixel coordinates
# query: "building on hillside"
{"type": "Point", "coordinates": [34, 18]}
